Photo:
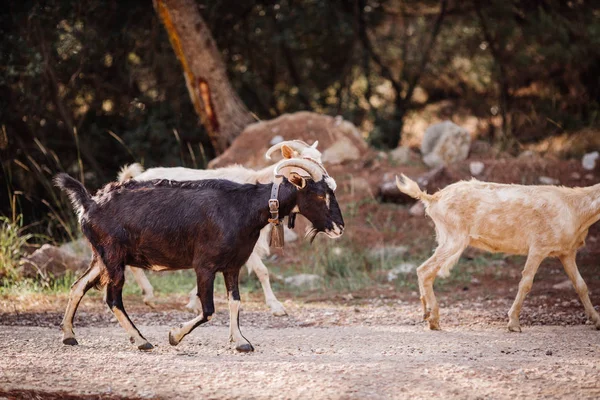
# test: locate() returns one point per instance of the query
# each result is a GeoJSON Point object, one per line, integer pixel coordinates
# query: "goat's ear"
{"type": "Point", "coordinates": [297, 180]}
{"type": "Point", "coordinates": [288, 152]}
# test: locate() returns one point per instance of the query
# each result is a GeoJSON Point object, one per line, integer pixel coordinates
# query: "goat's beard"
{"type": "Point", "coordinates": [311, 233]}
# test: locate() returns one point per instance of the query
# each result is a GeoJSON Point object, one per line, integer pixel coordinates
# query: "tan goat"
{"type": "Point", "coordinates": [537, 221]}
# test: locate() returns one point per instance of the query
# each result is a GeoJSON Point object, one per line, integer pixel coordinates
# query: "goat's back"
{"type": "Point", "coordinates": [172, 224]}
{"type": "Point", "coordinates": [506, 218]}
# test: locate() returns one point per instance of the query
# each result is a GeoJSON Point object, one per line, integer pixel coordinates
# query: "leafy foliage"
{"type": "Point", "coordinates": [88, 86]}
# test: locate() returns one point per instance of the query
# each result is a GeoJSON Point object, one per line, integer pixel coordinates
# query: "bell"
{"type": "Point", "coordinates": [277, 239]}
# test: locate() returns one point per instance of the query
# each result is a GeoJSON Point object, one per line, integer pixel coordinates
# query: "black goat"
{"type": "Point", "coordinates": [210, 226]}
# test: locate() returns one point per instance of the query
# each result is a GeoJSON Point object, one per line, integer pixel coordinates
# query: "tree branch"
{"type": "Point", "coordinates": [412, 84]}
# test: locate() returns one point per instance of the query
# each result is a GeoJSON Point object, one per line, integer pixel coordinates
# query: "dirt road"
{"type": "Point", "coordinates": [321, 351]}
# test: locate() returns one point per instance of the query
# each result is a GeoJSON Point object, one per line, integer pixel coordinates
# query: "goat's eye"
{"type": "Point", "coordinates": [321, 196]}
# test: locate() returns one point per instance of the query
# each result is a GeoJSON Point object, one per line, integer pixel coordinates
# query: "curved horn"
{"type": "Point", "coordinates": [313, 168]}
{"type": "Point", "coordinates": [296, 145]}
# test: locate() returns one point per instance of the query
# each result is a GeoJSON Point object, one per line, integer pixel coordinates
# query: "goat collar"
{"type": "Point", "coordinates": [274, 205]}
{"type": "Point", "coordinates": [277, 239]}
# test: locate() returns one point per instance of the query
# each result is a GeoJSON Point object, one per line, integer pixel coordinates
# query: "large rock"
{"type": "Point", "coordinates": [445, 143]}
{"type": "Point", "coordinates": [53, 262]}
{"type": "Point", "coordinates": [339, 140]}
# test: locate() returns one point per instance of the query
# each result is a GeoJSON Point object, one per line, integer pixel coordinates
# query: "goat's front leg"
{"type": "Point", "coordinates": [114, 299]}
{"type": "Point", "coordinates": [144, 284]}
{"type": "Point", "coordinates": [581, 288]}
{"type": "Point", "coordinates": [205, 282]}
{"type": "Point", "coordinates": [233, 295]}
{"type": "Point", "coordinates": [531, 266]}
{"type": "Point", "coordinates": [84, 283]}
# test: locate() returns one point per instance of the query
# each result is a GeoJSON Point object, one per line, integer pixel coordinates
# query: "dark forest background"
{"type": "Point", "coordinates": [87, 86]}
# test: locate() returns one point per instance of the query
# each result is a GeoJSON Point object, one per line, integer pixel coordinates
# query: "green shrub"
{"type": "Point", "coordinates": [12, 240]}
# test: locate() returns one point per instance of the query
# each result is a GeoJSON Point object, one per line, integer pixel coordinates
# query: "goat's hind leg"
{"type": "Point", "coordinates": [85, 282]}
{"type": "Point", "coordinates": [114, 299]}
{"type": "Point", "coordinates": [256, 264]}
{"type": "Point", "coordinates": [205, 286]}
{"type": "Point", "coordinates": [444, 257]}
{"type": "Point", "coordinates": [581, 288]}
{"type": "Point", "coordinates": [233, 295]}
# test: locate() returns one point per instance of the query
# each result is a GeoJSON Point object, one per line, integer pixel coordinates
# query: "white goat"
{"type": "Point", "coordinates": [235, 173]}
{"type": "Point", "coordinates": [537, 221]}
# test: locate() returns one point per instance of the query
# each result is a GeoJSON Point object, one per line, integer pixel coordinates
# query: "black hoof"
{"type": "Point", "coordinates": [146, 346]}
{"type": "Point", "coordinates": [71, 341]}
{"type": "Point", "coordinates": [172, 340]}
{"type": "Point", "coordinates": [245, 348]}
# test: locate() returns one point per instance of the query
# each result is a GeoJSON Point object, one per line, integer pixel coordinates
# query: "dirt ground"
{"type": "Point", "coordinates": [365, 348]}
{"type": "Point", "coordinates": [370, 344]}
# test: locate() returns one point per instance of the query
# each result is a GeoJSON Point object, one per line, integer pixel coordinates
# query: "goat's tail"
{"type": "Point", "coordinates": [411, 188]}
{"type": "Point", "coordinates": [129, 172]}
{"type": "Point", "coordinates": [79, 196]}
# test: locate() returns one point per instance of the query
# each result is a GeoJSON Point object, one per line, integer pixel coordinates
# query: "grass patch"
{"type": "Point", "coordinates": [33, 286]}
{"type": "Point", "coordinates": [13, 239]}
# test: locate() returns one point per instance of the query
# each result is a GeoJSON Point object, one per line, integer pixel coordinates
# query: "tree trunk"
{"type": "Point", "coordinates": [221, 111]}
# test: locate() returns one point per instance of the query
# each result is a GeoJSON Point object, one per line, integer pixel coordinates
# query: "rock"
{"type": "Point", "coordinates": [589, 160]}
{"type": "Point", "coordinates": [309, 281]}
{"type": "Point", "coordinates": [589, 177]}
{"type": "Point", "coordinates": [276, 139]}
{"type": "Point", "coordinates": [78, 248]}
{"type": "Point", "coordinates": [417, 210]}
{"type": "Point", "coordinates": [341, 151]}
{"type": "Point", "coordinates": [566, 284]}
{"type": "Point", "coordinates": [400, 155]}
{"type": "Point", "coordinates": [476, 167]}
{"type": "Point", "coordinates": [546, 180]}
{"type": "Point", "coordinates": [402, 269]}
{"type": "Point", "coordinates": [576, 175]}
{"type": "Point", "coordinates": [445, 143]}
{"type": "Point", "coordinates": [341, 136]}
{"type": "Point", "coordinates": [52, 262]}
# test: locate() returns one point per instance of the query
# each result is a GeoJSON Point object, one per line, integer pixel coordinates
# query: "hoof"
{"type": "Point", "coordinates": [245, 348]}
{"type": "Point", "coordinates": [279, 313]}
{"type": "Point", "coordinates": [145, 346]}
{"type": "Point", "coordinates": [434, 326]}
{"type": "Point", "coordinates": [514, 328]}
{"type": "Point", "coordinates": [277, 309]}
{"type": "Point", "coordinates": [172, 340]}
{"type": "Point", "coordinates": [150, 303]}
{"type": "Point", "coordinates": [71, 341]}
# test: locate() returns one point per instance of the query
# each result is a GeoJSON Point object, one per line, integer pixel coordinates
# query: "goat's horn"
{"type": "Point", "coordinates": [314, 169]}
{"type": "Point", "coordinates": [297, 145]}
